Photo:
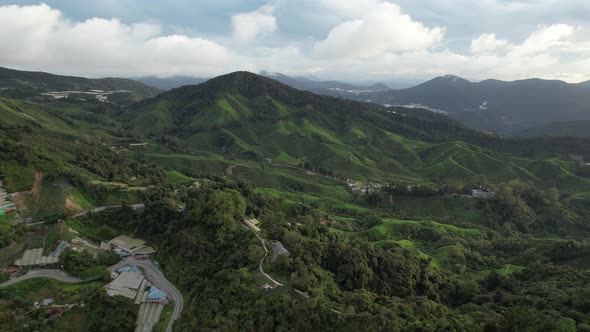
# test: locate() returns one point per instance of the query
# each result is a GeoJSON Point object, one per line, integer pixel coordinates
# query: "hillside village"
{"type": "Point", "coordinates": [128, 279]}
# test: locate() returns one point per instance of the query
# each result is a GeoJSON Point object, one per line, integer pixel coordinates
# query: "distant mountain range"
{"type": "Point", "coordinates": [329, 88]}
{"type": "Point", "coordinates": [507, 108]}
{"type": "Point", "coordinates": [531, 107]}
{"type": "Point", "coordinates": [250, 118]}
{"type": "Point", "coordinates": [503, 107]}
{"type": "Point", "coordinates": [17, 83]}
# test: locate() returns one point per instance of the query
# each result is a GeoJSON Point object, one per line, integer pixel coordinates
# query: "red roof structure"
{"type": "Point", "coordinates": [11, 269]}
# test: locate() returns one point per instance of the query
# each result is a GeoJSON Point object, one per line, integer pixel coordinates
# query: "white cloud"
{"type": "Point", "coordinates": [382, 29]}
{"type": "Point", "coordinates": [363, 40]}
{"type": "Point", "coordinates": [349, 8]}
{"type": "Point", "coordinates": [487, 43]}
{"type": "Point", "coordinates": [544, 38]}
{"type": "Point", "coordinates": [251, 25]}
{"type": "Point", "coordinates": [540, 54]}
{"type": "Point", "coordinates": [39, 37]}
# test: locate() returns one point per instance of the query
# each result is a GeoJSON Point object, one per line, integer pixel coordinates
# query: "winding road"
{"type": "Point", "coordinates": [262, 261]}
{"type": "Point", "coordinates": [46, 273]}
{"type": "Point", "coordinates": [152, 273]}
{"type": "Point", "coordinates": [302, 293]}
{"type": "Point", "coordinates": [156, 277]}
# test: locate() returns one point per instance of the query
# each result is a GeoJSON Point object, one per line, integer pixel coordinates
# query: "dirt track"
{"type": "Point", "coordinates": [71, 205]}
{"type": "Point", "coordinates": [37, 182]}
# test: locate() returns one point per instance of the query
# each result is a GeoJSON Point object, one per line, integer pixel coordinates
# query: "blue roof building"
{"type": "Point", "coordinates": [156, 295]}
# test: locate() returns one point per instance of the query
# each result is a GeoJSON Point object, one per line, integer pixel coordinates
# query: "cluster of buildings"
{"type": "Point", "coordinates": [100, 95]}
{"type": "Point", "coordinates": [130, 282]}
{"type": "Point", "coordinates": [363, 188]}
{"type": "Point", "coordinates": [124, 246]}
{"type": "Point", "coordinates": [6, 206]}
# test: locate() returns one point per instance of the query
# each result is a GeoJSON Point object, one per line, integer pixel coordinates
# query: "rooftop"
{"type": "Point", "coordinates": [156, 294]}
{"type": "Point", "coordinates": [131, 245]}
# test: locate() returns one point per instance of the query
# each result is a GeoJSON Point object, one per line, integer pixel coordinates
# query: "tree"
{"type": "Point", "coordinates": [107, 314]}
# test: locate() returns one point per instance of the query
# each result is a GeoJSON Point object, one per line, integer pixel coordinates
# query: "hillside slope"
{"type": "Point", "coordinates": [255, 118]}
{"type": "Point", "coordinates": [36, 82]}
{"type": "Point", "coordinates": [560, 129]}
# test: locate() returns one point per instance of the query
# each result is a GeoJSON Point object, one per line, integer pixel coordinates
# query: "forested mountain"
{"type": "Point", "coordinates": [28, 83]}
{"type": "Point", "coordinates": [504, 107]}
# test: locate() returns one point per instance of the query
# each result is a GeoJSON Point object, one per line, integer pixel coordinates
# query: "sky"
{"type": "Point", "coordinates": [349, 40]}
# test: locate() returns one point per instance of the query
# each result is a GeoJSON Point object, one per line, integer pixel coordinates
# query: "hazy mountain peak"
{"type": "Point", "coordinates": [453, 78]}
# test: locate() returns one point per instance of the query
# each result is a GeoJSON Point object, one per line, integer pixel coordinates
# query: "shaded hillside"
{"type": "Point", "coordinates": [32, 83]}
{"type": "Point", "coordinates": [560, 129]}
{"type": "Point", "coordinates": [504, 107]}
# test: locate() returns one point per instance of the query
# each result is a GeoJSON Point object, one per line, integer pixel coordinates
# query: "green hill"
{"type": "Point", "coordinates": [250, 117]}
{"type": "Point", "coordinates": [27, 83]}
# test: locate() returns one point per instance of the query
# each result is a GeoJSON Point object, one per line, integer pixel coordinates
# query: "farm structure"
{"type": "Point", "coordinates": [123, 246]}
{"type": "Point", "coordinates": [129, 281]}
{"type": "Point", "coordinates": [252, 224]}
{"type": "Point", "coordinates": [34, 257]}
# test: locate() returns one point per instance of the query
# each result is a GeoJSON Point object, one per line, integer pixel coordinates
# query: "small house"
{"type": "Point", "coordinates": [47, 302]}
{"type": "Point", "coordinates": [156, 296]}
{"type": "Point", "coordinates": [266, 287]}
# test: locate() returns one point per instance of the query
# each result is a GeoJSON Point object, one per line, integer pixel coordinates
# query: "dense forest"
{"type": "Point", "coordinates": [350, 282]}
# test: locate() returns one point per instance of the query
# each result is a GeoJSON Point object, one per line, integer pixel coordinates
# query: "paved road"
{"type": "Point", "coordinates": [47, 273]}
{"type": "Point", "coordinates": [102, 208]}
{"type": "Point", "coordinates": [305, 295]}
{"type": "Point", "coordinates": [156, 277]}
{"type": "Point", "coordinates": [262, 261]}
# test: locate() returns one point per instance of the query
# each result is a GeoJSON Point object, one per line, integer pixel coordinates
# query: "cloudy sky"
{"type": "Point", "coordinates": [353, 40]}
